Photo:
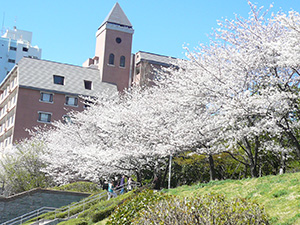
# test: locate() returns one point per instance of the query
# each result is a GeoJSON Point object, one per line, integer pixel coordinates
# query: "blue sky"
{"type": "Point", "coordinates": [65, 29]}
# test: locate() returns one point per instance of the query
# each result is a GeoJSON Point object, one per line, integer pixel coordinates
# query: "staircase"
{"type": "Point", "coordinates": [67, 210]}
{"type": "Point", "coordinates": [28, 216]}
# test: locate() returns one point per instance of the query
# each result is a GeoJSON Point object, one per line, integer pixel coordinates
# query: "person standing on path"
{"type": "Point", "coordinates": [122, 183]}
{"type": "Point", "coordinates": [111, 190]}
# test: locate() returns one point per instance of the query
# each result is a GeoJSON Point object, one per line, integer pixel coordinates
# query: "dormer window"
{"type": "Point", "coordinates": [88, 85]}
{"type": "Point", "coordinates": [111, 60]}
{"type": "Point", "coordinates": [58, 80]}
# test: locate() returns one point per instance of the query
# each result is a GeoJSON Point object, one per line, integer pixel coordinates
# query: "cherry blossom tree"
{"type": "Point", "coordinates": [239, 95]}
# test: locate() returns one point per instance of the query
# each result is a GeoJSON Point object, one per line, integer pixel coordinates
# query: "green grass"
{"type": "Point", "coordinates": [280, 195]}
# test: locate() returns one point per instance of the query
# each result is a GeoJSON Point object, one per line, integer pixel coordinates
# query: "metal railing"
{"type": "Point", "coordinates": [69, 208]}
{"type": "Point", "coordinates": [28, 216]}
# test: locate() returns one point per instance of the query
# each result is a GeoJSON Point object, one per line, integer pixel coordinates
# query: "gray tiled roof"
{"type": "Point", "coordinates": [155, 58]}
{"type": "Point", "coordinates": [38, 74]}
{"type": "Point", "coordinates": [117, 16]}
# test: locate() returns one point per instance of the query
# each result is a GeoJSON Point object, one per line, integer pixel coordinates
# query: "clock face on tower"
{"type": "Point", "coordinates": [118, 40]}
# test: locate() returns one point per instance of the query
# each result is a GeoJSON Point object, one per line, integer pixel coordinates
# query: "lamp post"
{"type": "Point", "coordinates": [170, 169]}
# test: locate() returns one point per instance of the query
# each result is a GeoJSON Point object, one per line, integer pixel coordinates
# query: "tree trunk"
{"type": "Point", "coordinates": [212, 171]}
{"type": "Point", "coordinates": [157, 177]}
{"type": "Point", "coordinates": [295, 141]}
{"type": "Point", "coordinates": [253, 170]}
{"type": "Point", "coordinates": [283, 164]}
{"type": "Point", "coordinates": [166, 172]}
{"type": "Point", "coordinates": [291, 135]}
{"type": "Point", "coordinates": [138, 177]}
{"type": "Point", "coordinates": [252, 158]}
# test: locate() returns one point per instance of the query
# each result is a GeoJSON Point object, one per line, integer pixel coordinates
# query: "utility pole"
{"type": "Point", "coordinates": [170, 169]}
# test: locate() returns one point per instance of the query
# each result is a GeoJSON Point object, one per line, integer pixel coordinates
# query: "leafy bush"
{"type": "Point", "coordinates": [81, 186]}
{"type": "Point", "coordinates": [98, 216]}
{"type": "Point", "coordinates": [209, 209]}
{"type": "Point", "coordinates": [125, 212]}
{"type": "Point", "coordinates": [21, 168]}
{"type": "Point", "coordinates": [78, 221]}
{"type": "Point", "coordinates": [103, 209]}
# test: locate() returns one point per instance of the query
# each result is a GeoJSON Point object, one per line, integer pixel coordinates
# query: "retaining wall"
{"type": "Point", "coordinates": [28, 201]}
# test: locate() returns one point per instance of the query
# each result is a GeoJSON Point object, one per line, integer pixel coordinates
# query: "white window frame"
{"type": "Point", "coordinates": [68, 97]}
{"type": "Point", "coordinates": [44, 113]}
{"type": "Point", "coordinates": [67, 119]}
{"type": "Point", "coordinates": [45, 100]}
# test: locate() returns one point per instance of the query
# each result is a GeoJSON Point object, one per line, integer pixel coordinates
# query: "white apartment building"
{"type": "Point", "coordinates": [14, 45]}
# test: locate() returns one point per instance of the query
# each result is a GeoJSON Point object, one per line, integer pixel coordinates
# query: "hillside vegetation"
{"type": "Point", "coordinates": [280, 195]}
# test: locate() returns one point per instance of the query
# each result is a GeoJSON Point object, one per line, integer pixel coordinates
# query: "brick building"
{"type": "Point", "coordinates": [37, 92]}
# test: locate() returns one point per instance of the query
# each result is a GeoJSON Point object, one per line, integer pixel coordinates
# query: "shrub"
{"type": "Point", "coordinates": [98, 216]}
{"type": "Point", "coordinates": [125, 212]}
{"type": "Point", "coordinates": [78, 221]}
{"type": "Point", "coordinates": [209, 209]}
{"type": "Point", "coordinates": [80, 186]}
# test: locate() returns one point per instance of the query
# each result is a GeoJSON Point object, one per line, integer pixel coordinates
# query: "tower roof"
{"type": "Point", "coordinates": [117, 16]}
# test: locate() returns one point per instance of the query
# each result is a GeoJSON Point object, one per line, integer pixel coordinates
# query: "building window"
{"type": "Point", "coordinates": [58, 79]}
{"type": "Point", "coordinates": [25, 49]}
{"type": "Point", "coordinates": [122, 61]}
{"type": "Point", "coordinates": [111, 59]}
{"type": "Point", "coordinates": [44, 117]}
{"type": "Point", "coordinates": [46, 97]}
{"type": "Point", "coordinates": [12, 48]}
{"type": "Point", "coordinates": [11, 61]}
{"type": "Point", "coordinates": [12, 120]}
{"type": "Point", "coordinates": [118, 40]}
{"type": "Point", "coordinates": [88, 85]}
{"type": "Point", "coordinates": [67, 119]}
{"type": "Point", "coordinates": [12, 84]}
{"type": "Point", "coordinates": [137, 69]}
{"type": "Point", "coordinates": [72, 101]}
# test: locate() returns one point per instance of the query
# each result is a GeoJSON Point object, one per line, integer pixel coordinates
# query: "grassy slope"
{"type": "Point", "coordinates": [280, 195]}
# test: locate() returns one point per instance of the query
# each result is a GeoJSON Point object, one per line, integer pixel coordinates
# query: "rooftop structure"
{"type": "Point", "coordinates": [147, 66]}
{"type": "Point", "coordinates": [14, 45]}
{"type": "Point", "coordinates": [117, 16]}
